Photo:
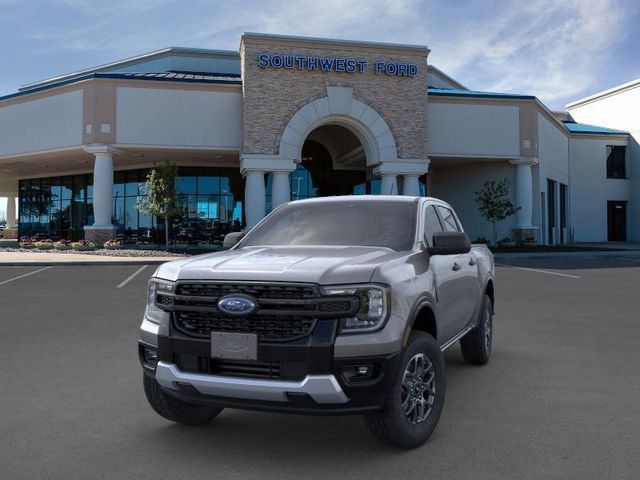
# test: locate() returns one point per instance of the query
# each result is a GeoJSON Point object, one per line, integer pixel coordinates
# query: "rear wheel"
{"type": "Point", "coordinates": [415, 401]}
{"type": "Point", "coordinates": [476, 345]}
{"type": "Point", "coordinates": [176, 410]}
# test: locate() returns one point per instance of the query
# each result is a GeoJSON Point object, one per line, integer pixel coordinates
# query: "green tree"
{"type": "Point", "coordinates": [494, 203]}
{"type": "Point", "coordinates": [159, 195]}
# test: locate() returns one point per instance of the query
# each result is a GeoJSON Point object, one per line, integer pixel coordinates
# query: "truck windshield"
{"type": "Point", "coordinates": [389, 224]}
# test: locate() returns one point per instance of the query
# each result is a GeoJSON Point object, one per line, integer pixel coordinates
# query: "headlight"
{"type": "Point", "coordinates": [372, 314]}
{"type": "Point", "coordinates": [153, 312]}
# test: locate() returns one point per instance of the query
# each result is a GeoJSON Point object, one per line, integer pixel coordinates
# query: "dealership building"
{"type": "Point", "coordinates": [292, 118]}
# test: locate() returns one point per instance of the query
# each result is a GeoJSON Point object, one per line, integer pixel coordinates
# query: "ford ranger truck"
{"type": "Point", "coordinates": [338, 305]}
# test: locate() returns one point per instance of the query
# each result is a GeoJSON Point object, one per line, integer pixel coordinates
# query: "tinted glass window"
{"type": "Point", "coordinates": [432, 224]}
{"type": "Point", "coordinates": [616, 161]}
{"type": "Point", "coordinates": [388, 224]}
{"type": "Point", "coordinates": [448, 220]}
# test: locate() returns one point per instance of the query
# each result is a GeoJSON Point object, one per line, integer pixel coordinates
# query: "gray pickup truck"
{"type": "Point", "coordinates": [339, 305]}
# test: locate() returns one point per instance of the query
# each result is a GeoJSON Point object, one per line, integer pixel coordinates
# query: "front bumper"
{"type": "Point", "coordinates": [307, 378]}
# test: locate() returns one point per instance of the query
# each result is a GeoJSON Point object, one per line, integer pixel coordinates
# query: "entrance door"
{"type": "Point", "coordinates": [617, 221]}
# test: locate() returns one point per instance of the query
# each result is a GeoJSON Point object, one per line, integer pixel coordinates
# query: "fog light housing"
{"type": "Point", "coordinates": [150, 357]}
{"type": "Point", "coordinates": [361, 373]}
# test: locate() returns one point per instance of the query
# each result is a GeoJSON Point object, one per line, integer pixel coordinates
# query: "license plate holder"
{"type": "Point", "coordinates": [234, 346]}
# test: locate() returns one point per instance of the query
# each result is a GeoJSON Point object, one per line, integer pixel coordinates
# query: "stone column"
{"type": "Point", "coordinates": [10, 232]}
{"type": "Point", "coordinates": [411, 185]}
{"type": "Point", "coordinates": [280, 189]}
{"type": "Point", "coordinates": [254, 197]}
{"type": "Point", "coordinates": [102, 228]}
{"type": "Point", "coordinates": [410, 171]}
{"type": "Point", "coordinates": [11, 211]}
{"type": "Point", "coordinates": [253, 166]}
{"type": "Point", "coordinates": [389, 184]}
{"type": "Point", "coordinates": [524, 198]}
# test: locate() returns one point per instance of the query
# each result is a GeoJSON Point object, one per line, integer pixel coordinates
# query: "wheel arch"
{"type": "Point", "coordinates": [423, 318]}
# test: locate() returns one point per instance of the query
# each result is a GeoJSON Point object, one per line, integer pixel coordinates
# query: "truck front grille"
{"type": "Point", "coordinates": [268, 327]}
{"type": "Point", "coordinates": [285, 311]}
{"type": "Point", "coordinates": [233, 368]}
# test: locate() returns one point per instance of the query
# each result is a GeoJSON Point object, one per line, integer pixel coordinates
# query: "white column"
{"type": "Point", "coordinates": [11, 212]}
{"type": "Point", "coordinates": [388, 185]}
{"type": "Point", "coordinates": [524, 191]}
{"type": "Point", "coordinates": [254, 197]}
{"type": "Point", "coordinates": [280, 190]}
{"type": "Point", "coordinates": [103, 189]}
{"type": "Point", "coordinates": [411, 185]}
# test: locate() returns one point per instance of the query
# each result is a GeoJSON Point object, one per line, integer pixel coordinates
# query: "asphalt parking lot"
{"type": "Point", "coordinates": [559, 398]}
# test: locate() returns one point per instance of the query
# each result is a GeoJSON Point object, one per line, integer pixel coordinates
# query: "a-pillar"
{"type": "Point", "coordinates": [524, 228]}
{"type": "Point", "coordinates": [102, 228]}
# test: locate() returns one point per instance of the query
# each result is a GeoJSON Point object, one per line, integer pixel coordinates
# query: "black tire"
{"type": "Point", "coordinates": [476, 345]}
{"type": "Point", "coordinates": [392, 425]}
{"type": "Point", "coordinates": [176, 410]}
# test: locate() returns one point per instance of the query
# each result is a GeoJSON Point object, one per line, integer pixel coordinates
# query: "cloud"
{"type": "Point", "coordinates": [557, 50]}
{"type": "Point", "coordinates": [545, 48]}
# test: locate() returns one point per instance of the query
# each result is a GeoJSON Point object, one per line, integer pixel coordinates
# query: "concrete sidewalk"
{"type": "Point", "coordinates": [38, 259]}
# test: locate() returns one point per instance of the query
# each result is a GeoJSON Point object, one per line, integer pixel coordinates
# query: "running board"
{"type": "Point", "coordinates": [456, 338]}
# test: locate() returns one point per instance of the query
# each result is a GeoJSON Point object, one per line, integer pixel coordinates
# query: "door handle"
{"type": "Point", "coordinates": [456, 267]}
{"type": "Point", "coordinates": [472, 261]}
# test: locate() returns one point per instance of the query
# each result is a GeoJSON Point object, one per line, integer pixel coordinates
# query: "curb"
{"type": "Point", "coordinates": [89, 263]}
{"type": "Point", "coordinates": [595, 253]}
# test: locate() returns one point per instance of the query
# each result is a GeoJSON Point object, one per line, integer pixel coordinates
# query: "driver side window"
{"type": "Point", "coordinates": [432, 224]}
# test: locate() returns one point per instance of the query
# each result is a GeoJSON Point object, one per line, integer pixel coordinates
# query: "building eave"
{"type": "Point", "coordinates": [129, 61]}
{"type": "Point", "coordinates": [604, 94]}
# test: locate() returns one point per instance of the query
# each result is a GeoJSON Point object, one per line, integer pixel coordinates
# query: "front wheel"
{"type": "Point", "coordinates": [415, 401]}
{"type": "Point", "coordinates": [176, 410]}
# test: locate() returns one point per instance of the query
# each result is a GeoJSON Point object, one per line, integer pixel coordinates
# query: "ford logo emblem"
{"type": "Point", "coordinates": [236, 305]}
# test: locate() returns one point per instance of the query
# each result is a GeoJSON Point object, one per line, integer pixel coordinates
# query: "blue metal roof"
{"type": "Point", "coordinates": [159, 76]}
{"type": "Point", "coordinates": [593, 129]}
{"type": "Point", "coordinates": [450, 92]}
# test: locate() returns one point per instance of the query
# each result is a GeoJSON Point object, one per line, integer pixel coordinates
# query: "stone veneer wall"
{"type": "Point", "coordinates": [272, 96]}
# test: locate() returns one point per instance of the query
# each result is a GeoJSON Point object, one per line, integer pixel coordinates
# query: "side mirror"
{"type": "Point", "coordinates": [231, 239]}
{"type": "Point", "coordinates": [449, 243]}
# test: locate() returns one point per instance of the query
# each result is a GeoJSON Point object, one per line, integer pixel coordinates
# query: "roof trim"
{"type": "Point", "coordinates": [446, 77]}
{"type": "Point", "coordinates": [449, 92]}
{"type": "Point", "coordinates": [605, 93]}
{"type": "Point", "coordinates": [587, 129]}
{"type": "Point", "coordinates": [311, 41]}
{"type": "Point", "coordinates": [121, 76]}
{"type": "Point", "coordinates": [130, 61]}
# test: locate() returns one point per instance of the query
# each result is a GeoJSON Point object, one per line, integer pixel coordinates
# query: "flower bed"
{"type": "Point", "coordinates": [112, 244]}
{"type": "Point", "coordinates": [62, 245]}
{"type": "Point", "coordinates": [83, 245]}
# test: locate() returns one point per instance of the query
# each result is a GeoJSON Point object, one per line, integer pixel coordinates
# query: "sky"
{"type": "Point", "coordinates": [558, 50]}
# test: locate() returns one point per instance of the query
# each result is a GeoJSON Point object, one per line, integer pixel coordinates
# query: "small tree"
{"type": "Point", "coordinates": [494, 203]}
{"type": "Point", "coordinates": [159, 195]}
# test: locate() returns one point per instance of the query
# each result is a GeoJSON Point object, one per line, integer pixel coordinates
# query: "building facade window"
{"type": "Point", "coordinates": [209, 206]}
{"type": "Point", "coordinates": [616, 161]}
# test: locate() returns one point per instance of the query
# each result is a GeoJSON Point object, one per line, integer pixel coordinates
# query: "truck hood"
{"type": "Point", "coordinates": [321, 265]}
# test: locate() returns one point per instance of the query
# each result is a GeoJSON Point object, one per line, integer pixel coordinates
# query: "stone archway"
{"type": "Point", "coordinates": [340, 108]}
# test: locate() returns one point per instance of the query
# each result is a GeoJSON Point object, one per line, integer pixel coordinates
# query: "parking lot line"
{"type": "Point", "coordinates": [25, 275]}
{"type": "Point", "coordinates": [539, 271]}
{"type": "Point", "coordinates": [132, 276]}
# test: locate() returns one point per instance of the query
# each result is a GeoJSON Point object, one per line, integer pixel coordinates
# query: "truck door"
{"type": "Point", "coordinates": [456, 278]}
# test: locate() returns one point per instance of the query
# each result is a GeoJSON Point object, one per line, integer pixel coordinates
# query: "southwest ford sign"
{"type": "Point", "coordinates": [341, 65]}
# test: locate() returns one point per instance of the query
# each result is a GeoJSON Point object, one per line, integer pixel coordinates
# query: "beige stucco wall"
{"type": "Point", "coordinates": [272, 96]}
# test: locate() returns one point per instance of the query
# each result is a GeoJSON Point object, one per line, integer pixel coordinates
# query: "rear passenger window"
{"type": "Point", "coordinates": [432, 224]}
{"type": "Point", "coordinates": [448, 220]}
